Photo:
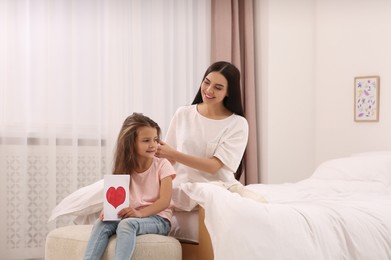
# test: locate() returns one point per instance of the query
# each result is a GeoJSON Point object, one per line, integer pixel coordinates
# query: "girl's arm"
{"type": "Point", "coordinates": [159, 205]}
{"type": "Point", "coordinates": [210, 165]}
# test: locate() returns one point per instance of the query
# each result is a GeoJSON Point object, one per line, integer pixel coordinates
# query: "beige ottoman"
{"type": "Point", "coordinates": [70, 242]}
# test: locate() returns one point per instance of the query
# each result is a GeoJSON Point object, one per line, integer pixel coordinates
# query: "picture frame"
{"type": "Point", "coordinates": [366, 98]}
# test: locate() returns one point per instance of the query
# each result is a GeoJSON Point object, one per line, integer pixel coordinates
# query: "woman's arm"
{"type": "Point", "coordinates": [210, 165]}
{"type": "Point", "coordinates": [159, 205]}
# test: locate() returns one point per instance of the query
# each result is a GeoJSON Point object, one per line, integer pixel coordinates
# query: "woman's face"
{"type": "Point", "coordinates": [214, 88]}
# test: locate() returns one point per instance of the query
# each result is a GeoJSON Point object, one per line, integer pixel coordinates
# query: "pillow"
{"type": "Point", "coordinates": [83, 202]}
{"type": "Point", "coordinates": [373, 153]}
{"type": "Point", "coordinates": [358, 168]}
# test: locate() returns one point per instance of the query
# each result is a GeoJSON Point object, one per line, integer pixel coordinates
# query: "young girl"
{"type": "Point", "coordinates": [150, 208]}
{"type": "Point", "coordinates": [206, 140]}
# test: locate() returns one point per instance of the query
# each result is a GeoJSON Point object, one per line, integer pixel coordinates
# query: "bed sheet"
{"type": "Point", "coordinates": [313, 219]}
{"type": "Point", "coordinates": [343, 211]}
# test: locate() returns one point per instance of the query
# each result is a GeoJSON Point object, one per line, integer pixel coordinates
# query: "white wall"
{"type": "Point", "coordinates": [352, 39]}
{"type": "Point", "coordinates": [285, 36]}
{"type": "Point", "coordinates": [308, 54]}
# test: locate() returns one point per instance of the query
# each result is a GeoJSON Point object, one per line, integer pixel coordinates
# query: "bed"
{"type": "Point", "coordinates": [343, 211]}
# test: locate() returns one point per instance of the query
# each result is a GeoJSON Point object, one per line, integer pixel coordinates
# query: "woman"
{"type": "Point", "coordinates": [206, 140]}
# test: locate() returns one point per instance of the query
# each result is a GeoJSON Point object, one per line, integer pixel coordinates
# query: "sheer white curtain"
{"type": "Point", "coordinates": [70, 72]}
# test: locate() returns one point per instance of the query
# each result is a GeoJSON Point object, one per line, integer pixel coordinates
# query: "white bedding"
{"type": "Point", "coordinates": [341, 212]}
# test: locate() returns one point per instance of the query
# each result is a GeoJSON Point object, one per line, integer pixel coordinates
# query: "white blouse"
{"type": "Point", "coordinates": [192, 133]}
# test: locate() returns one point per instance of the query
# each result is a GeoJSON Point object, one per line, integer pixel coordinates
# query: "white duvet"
{"type": "Point", "coordinates": [335, 214]}
{"type": "Point", "coordinates": [343, 211]}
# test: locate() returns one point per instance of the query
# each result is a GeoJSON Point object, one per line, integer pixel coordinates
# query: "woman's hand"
{"type": "Point", "coordinates": [210, 165]}
{"type": "Point", "coordinates": [165, 151]}
{"type": "Point", "coordinates": [129, 213]}
{"type": "Point", "coordinates": [102, 215]}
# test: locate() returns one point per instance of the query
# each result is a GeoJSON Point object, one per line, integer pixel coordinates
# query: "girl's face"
{"type": "Point", "coordinates": [214, 88]}
{"type": "Point", "coordinates": [146, 142]}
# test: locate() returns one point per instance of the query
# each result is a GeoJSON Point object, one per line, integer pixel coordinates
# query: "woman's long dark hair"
{"type": "Point", "coordinates": [233, 101]}
{"type": "Point", "coordinates": [125, 156]}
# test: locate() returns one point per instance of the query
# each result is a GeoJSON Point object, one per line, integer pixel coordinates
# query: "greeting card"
{"type": "Point", "coordinates": [115, 195]}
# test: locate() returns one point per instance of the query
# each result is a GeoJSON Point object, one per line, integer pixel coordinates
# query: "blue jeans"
{"type": "Point", "coordinates": [126, 229]}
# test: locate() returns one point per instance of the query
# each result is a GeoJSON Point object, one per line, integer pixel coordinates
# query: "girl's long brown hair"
{"type": "Point", "coordinates": [125, 156]}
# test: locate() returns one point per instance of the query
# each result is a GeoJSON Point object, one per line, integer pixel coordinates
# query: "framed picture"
{"type": "Point", "coordinates": [366, 99]}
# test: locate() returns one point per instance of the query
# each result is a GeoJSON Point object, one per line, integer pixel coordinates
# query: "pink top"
{"type": "Point", "coordinates": [145, 186]}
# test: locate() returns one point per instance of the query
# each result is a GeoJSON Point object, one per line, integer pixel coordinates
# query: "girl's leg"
{"type": "Point", "coordinates": [129, 228]}
{"type": "Point", "coordinates": [99, 239]}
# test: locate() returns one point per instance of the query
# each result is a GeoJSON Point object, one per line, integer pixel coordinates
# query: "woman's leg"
{"type": "Point", "coordinates": [241, 190]}
{"type": "Point", "coordinates": [99, 238]}
{"type": "Point", "coordinates": [246, 193]}
{"type": "Point", "coordinates": [129, 228]}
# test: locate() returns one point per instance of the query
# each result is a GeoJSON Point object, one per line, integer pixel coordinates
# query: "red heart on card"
{"type": "Point", "coordinates": [115, 196]}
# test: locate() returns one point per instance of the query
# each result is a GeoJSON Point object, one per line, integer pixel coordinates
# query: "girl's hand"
{"type": "Point", "coordinates": [102, 215]}
{"type": "Point", "coordinates": [129, 213]}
